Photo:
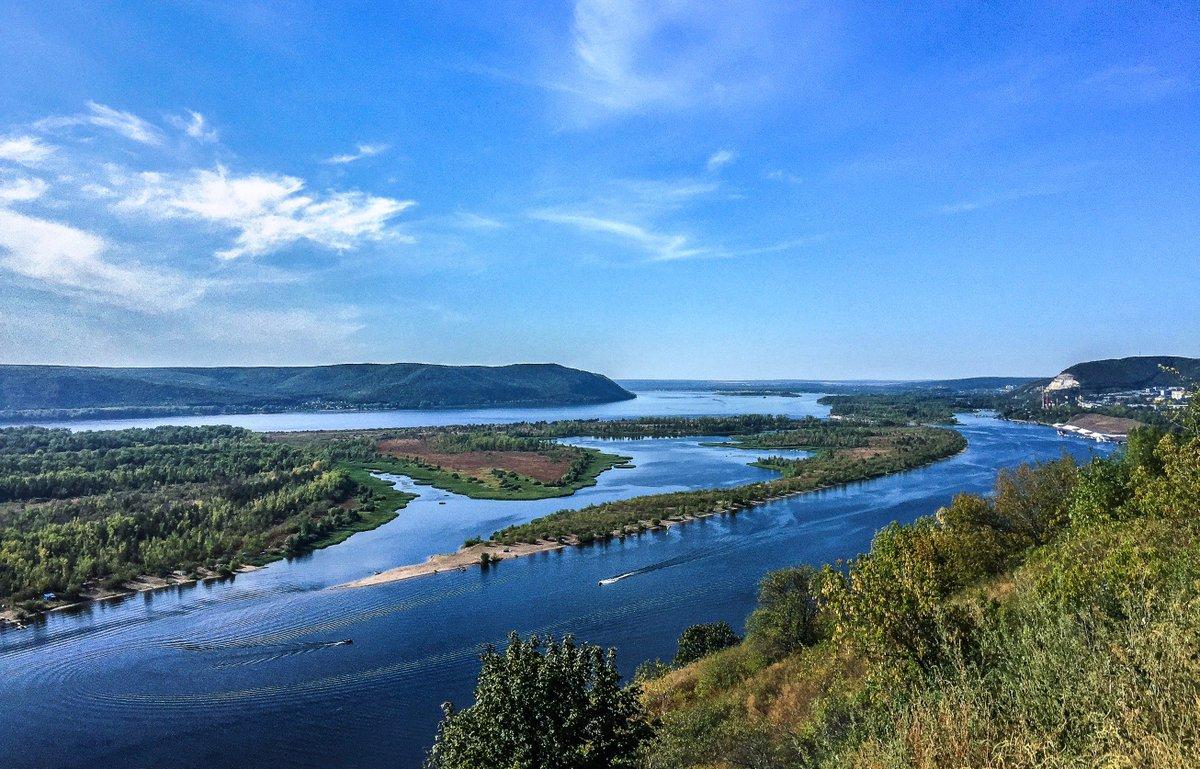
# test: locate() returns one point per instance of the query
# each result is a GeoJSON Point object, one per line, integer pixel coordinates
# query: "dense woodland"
{"type": "Point", "coordinates": [94, 509]}
{"type": "Point", "coordinates": [921, 407]}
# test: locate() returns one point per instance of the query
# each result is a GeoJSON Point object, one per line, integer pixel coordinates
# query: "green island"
{"type": "Point", "coordinates": [482, 463]}
{"type": "Point", "coordinates": [848, 452]}
{"type": "Point", "coordinates": [1051, 623]}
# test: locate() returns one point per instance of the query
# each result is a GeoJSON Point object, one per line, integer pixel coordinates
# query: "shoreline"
{"type": "Point", "coordinates": [465, 557]}
{"type": "Point", "coordinates": [144, 583]}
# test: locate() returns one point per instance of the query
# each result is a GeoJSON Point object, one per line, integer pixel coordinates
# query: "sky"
{"type": "Point", "coordinates": [671, 189]}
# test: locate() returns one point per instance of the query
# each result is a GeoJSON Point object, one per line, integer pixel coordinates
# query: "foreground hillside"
{"type": "Point", "coordinates": [1055, 624]}
{"type": "Point", "coordinates": [75, 390]}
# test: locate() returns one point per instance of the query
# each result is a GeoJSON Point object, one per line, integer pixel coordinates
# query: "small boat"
{"type": "Point", "coordinates": [344, 642]}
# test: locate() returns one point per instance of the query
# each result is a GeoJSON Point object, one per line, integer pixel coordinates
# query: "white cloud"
{"type": "Point", "coordinates": [26, 150]}
{"type": "Point", "coordinates": [126, 124]}
{"type": "Point", "coordinates": [661, 247]}
{"type": "Point", "coordinates": [21, 189]}
{"type": "Point", "coordinates": [194, 125]}
{"type": "Point", "coordinates": [71, 261]}
{"type": "Point", "coordinates": [640, 55]}
{"type": "Point", "coordinates": [720, 159]}
{"type": "Point", "coordinates": [362, 151]}
{"type": "Point", "coordinates": [268, 212]}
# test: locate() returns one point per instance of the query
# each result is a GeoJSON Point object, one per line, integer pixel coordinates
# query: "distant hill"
{"type": "Point", "coordinates": [1136, 373]}
{"type": "Point", "coordinates": [845, 386]}
{"type": "Point", "coordinates": [61, 391]}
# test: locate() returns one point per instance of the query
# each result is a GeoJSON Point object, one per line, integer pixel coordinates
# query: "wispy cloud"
{"type": "Point", "coordinates": [361, 151]}
{"type": "Point", "coordinates": [987, 201]}
{"type": "Point", "coordinates": [660, 247]}
{"type": "Point", "coordinates": [719, 160]}
{"type": "Point", "coordinates": [26, 150]}
{"type": "Point", "coordinates": [636, 56]}
{"type": "Point", "coordinates": [21, 190]}
{"type": "Point", "coordinates": [472, 221]}
{"type": "Point", "coordinates": [71, 261]}
{"type": "Point", "coordinates": [779, 175]}
{"type": "Point", "coordinates": [194, 125]}
{"type": "Point", "coordinates": [1138, 83]}
{"type": "Point", "coordinates": [267, 212]}
{"type": "Point", "coordinates": [126, 124]}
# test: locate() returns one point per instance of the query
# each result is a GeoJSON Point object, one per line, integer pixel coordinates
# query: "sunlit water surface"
{"type": "Point", "coordinates": [249, 672]}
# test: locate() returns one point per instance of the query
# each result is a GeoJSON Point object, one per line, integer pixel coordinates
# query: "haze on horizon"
{"type": "Point", "coordinates": [648, 190]}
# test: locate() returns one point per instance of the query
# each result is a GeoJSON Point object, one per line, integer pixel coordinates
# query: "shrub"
{"type": "Point", "coordinates": [700, 640]}
{"type": "Point", "coordinates": [787, 617]}
{"type": "Point", "coordinates": [544, 705]}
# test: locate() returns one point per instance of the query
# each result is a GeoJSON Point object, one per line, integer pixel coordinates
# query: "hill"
{"type": "Point", "coordinates": [1136, 373]}
{"type": "Point", "coordinates": [846, 386]}
{"type": "Point", "coordinates": [61, 391]}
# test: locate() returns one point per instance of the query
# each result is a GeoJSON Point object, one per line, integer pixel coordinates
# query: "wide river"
{"type": "Point", "coordinates": [245, 673]}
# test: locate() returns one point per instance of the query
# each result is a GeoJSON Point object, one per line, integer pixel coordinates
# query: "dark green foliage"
{"type": "Point", "coordinates": [544, 704]}
{"type": "Point", "coordinates": [70, 391]}
{"type": "Point", "coordinates": [1135, 373]}
{"type": "Point", "coordinates": [650, 670]}
{"type": "Point", "coordinates": [786, 617]}
{"type": "Point", "coordinates": [701, 640]}
{"type": "Point", "coordinates": [921, 407]}
{"type": "Point", "coordinates": [79, 509]}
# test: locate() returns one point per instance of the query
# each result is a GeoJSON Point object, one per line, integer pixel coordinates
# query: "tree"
{"type": "Point", "coordinates": [544, 704]}
{"type": "Point", "coordinates": [701, 640]}
{"type": "Point", "coordinates": [786, 618]}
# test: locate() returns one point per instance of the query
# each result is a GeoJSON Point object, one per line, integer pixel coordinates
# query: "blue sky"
{"type": "Point", "coordinates": [660, 189]}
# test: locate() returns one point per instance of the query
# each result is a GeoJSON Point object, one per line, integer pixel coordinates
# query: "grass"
{"type": "Point", "coordinates": [1076, 648]}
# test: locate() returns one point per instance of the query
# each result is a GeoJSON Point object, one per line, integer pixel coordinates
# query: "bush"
{"type": "Point", "coordinates": [701, 640]}
{"type": "Point", "coordinates": [786, 618]}
{"type": "Point", "coordinates": [544, 705]}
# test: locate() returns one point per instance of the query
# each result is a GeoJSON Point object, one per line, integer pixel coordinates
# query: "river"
{"type": "Point", "coordinates": [248, 672]}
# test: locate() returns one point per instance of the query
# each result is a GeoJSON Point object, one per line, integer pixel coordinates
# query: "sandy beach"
{"type": "Point", "coordinates": [470, 556]}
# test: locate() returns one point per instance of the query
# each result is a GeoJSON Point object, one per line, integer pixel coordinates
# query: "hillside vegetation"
{"type": "Point", "coordinates": [1053, 624]}
{"type": "Point", "coordinates": [1135, 373]}
{"type": "Point", "coordinates": [62, 391]}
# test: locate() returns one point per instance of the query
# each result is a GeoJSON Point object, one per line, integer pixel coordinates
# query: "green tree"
{"type": "Point", "coordinates": [786, 618]}
{"type": "Point", "coordinates": [544, 704]}
{"type": "Point", "coordinates": [701, 640]}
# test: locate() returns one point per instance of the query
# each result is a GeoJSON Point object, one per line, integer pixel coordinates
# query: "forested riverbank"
{"type": "Point", "coordinates": [84, 514]}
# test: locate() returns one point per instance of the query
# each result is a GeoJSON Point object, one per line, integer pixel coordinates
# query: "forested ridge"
{"type": "Point", "coordinates": [74, 391]}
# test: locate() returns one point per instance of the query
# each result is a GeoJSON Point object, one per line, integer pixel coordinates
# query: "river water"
{"type": "Point", "coordinates": [248, 672]}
